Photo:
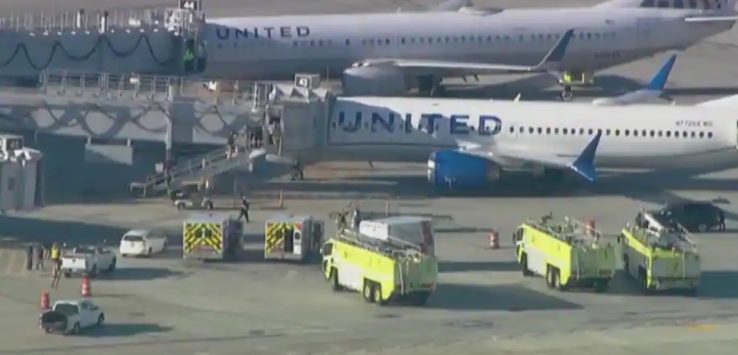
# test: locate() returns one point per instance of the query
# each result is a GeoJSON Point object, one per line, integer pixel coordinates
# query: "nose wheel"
{"type": "Point", "coordinates": [566, 93]}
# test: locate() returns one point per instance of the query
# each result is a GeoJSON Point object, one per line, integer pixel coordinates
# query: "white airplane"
{"type": "Point", "coordinates": [386, 54]}
{"type": "Point", "coordinates": [651, 92]}
{"type": "Point", "coordinates": [470, 143]}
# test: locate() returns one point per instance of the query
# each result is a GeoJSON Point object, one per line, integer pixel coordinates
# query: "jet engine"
{"type": "Point", "coordinates": [374, 81]}
{"type": "Point", "coordinates": [454, 169]}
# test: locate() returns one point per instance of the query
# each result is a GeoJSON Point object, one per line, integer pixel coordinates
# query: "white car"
{"type": "Point", "coordinates": [142, 242]}
{"type": "Point", "coordinates": [71, 316]}
{"type": "Point", "coordinates": [88, 260]}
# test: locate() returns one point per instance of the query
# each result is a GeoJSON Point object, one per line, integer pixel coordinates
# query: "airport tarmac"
{"type": "Point", "coordinates": [482, 305]}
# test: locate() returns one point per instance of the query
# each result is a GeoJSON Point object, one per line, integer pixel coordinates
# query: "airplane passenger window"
{"type": "Point", "coordinates": [663, 3]}
{"type": "Point", "coordinates": [692, 134]}
{"type": "Point", "coordinates": [430, 40]}
{"type": "Point", "coordinates": [550, 37]}
{"type": "Point", "coordinates": [540, 130]}
{"type": "Point", "coordinates": [312, 42]}
{"type": "Point", "coordinates": [635, 133]}
{"type": "Point", "coordinates": [627, 132]}
{"type": "Point", "coordinates": [676, 134]}
{"type": "Point", "coordinates": [402, 40]}
{"type": "Point", "coordinates": [294, 43]}
{"type": "Point", "coordinates": [647, 3]}
{"type": "Point", "coordinates": [678, 4]}
{"type": "Point", "coordinates": [591, 132]}
{"type": "Point", "coordinates": [709, 134]}
{"type": "Point", "coordinates": [581, 131]}
{"type": "Point", "coordinates": [607, 132]}
{"type": "Point", "coordinates": [668, 133]}
{"type": "Point", "coordinates": [652, 133]}
{"type": "Point", "coordinates": [589, 35]}
{"type": "Point", "coordinates": [692, 4]}
{"type": "Point", "coordinates": [564, 131]}
{"type": "Point", "coordinates": [702, 134]}
{"type": "Point", "coordinates": [497, 38]}
{"type": "Point", "coordinates": [320, 42]}
{"type": "Point", "coordinates": [522, 129]}
{"type": "Point", "coordinates": [387, 41]}
{"type": "Point", "coordinates": [707, 4]}
{"type": "Point", "coordinates": [617, 132]}
{"type": "Point", "coordinates": [480, 38]}
{"type": "Point", "coordinates": [448, 39]}
{"type": "Point", "coordinates": [660, 133]}
{"type": "Point", "coordinates": [541, 36]}
{"type": "Point", "coordinates": [489, 38]}
{"type": "Point", "coordinates": [530, 130]}
{"type": "Point", "coordinates": [463, 39]}
{"type": "Point", "coordinates": [412, 40]}
{"type": "Point", "coordinates": [643, 132]}
{"type": "Point", "coordinates": [597, 36]}
{"type": "Point", "coordinates": [684, 134]}
{"type": "Point", "coordinates": [556, 130]}
{"type": "Point", "coordinates": [599, 130]}
{"type": "Point", "coordinates": [520, 38]}
{"type": "Point", "coordinates": [507, 38]}
{"type": "Point", "coordinates": [421, 40]}
{"type": "Point", "coordinates": [581, 35]}
{"type": "Point", "coordinates": [512, 129]}
{"type": "Point", "coordinates": [532, 37]}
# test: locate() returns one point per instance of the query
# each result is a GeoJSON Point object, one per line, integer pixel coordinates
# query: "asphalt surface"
{"type": "Point", "coordinates": [483, 304]}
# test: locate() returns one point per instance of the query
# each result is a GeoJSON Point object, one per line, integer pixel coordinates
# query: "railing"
{"type": "Point", "coordinates": [82, 20]}
{"type": "Point", "coordinates": [153, 87]}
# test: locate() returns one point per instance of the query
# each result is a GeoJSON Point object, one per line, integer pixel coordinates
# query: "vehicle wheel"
{"type": "Point", "coordinates": [549, 277]}
{"type": "Point", "coordinates": [335, 286]}
{"type": "Point", "coordinates": [643, 282]}
{"type": "Point", "coordinates": [701, 227]}
{"type": "Point", "coordinates": [421, 298]}
{"type": "Point", "coordinates": [377, 298]}
{"type": "Point", "coordinates": [567, 94]}
{"type": "Point", "coordinates": [524, 265]}
{"type": "Point", "coordinates": [600, 286]}
{"type": "Point", "coordinates": [180, 206]}
{"type": "Point", "coordinates": [100, 319]}
{"type": "Point", "coordinates": [67, 275]}
{"type": "Point", "coordinates": [111, 268]}
{"type": "Point", "coordinates": [75, 329]}
{"type": "Point", "coordinates": [368, 292]}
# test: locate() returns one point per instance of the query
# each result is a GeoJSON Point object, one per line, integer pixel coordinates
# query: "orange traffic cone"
{"type": "Point", "coordinates": [86, 292]}
{"type": "Point", "coordinates": [45, 300]}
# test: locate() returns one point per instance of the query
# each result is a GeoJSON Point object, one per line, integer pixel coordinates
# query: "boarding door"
{"type": "Point", "coordinates": [297, 239]}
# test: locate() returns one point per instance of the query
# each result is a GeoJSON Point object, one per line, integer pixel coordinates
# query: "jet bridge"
{"type": "Point", "coordinates": [149, 41]}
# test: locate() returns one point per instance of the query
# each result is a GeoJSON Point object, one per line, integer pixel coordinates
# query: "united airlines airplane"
{"type": "Point", "coordinates": [388, 54]}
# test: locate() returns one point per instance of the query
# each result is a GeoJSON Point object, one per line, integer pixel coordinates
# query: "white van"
{"type": "Point", "coordinates": [142, 242]}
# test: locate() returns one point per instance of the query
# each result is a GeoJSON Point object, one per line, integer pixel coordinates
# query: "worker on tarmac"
{"type": "Point", "coordinates": [56, 273]}
{"type": "Point", "coordinates": [356, 218]}
{"type": "Point", "coordinates": [297, 171]}
{"type": "Point", "coordinates": [244, 209]}
{"type": "Point", "coordinates": [55, 251]}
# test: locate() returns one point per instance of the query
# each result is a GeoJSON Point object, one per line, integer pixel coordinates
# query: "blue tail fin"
{"type": "Point", "coordinates": [659, 80]}
{"type": "Point", "coordinates": [584, 165]}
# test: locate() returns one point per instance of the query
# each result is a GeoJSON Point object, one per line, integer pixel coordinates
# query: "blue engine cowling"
{"type": "Point", "coordinates": [454, 169]}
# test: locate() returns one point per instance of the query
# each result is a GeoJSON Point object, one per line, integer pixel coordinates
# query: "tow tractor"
{"type": "Point", "coordinates": [660, 255]}
{"type": "Point", "coordinates": [566, 252]}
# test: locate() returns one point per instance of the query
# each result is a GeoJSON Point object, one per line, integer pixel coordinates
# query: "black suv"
{"type": "Point", "coordinates": [694, 216]}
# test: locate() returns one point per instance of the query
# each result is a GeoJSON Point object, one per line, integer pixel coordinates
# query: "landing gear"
{"type": "Point", "coordinates": [566, 93]}
{"type": "Point", "coordinates": [429, 85]}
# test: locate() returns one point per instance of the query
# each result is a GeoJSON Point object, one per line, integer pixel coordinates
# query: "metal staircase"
{"type": "Point", "coordinates": [194, 170]}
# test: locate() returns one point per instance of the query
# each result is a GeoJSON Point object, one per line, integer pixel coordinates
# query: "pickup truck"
{"type": "Point", "coordinates": [71, 316]}
{"type": "Point", "coordinates": [88, 260]}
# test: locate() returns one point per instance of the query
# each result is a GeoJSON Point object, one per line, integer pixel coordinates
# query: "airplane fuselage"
{"type": "Point", "coordinates": [274, 48]}
{"type": "Point", "coordinates": [635, 136]}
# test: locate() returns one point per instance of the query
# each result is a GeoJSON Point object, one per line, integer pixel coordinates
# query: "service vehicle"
{"type": "Point", "coordinates": [382, 270]}
{"type": "Point", "coordinates": [660, 255]}
{"type": "Point", "coordinates": [211, 236]}
{"type": "Point", "coordinates": [695, 216]}
{"type": "Point", "coordinates": [412, 229]}
{"type": "Point", "coordinates": [292, 237]}
{"type": "Point", "coordinates": [566, 252]}
{"type": "Point", "coordinates": [88, 261]}
{"type": "Point", "coordinates": [142, 242]}
{"type": "Point", "coordinates": [71, 317]}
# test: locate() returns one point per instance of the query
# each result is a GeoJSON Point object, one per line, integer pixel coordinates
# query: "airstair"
{"type": "Point", "coordinates": [193, 171]}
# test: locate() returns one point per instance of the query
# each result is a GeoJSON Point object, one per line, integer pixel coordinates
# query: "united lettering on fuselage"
{"type": "Point", "coordinates": [390, 122]}
{"type": "Point", "coordinates": [266, 32]}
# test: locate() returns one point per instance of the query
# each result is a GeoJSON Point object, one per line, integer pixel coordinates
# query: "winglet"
{"type": "Point", "coordinates": [584, 165]}
{"type": "Point", "coordinates": [659, 80]}
{"type": "Point", "coordinates": [556, 54]}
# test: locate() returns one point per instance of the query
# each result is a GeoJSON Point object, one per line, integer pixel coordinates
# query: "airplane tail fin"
{"type": "Point", "coordinates": [556, 54]}
{"type": "Point", "coordinates": [584, 164]}
{"type": "Point", "coordinates": [659, 80]}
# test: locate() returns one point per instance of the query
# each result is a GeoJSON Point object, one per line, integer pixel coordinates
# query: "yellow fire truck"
{"type": "Point", "coordinates": [383, 270]}
{"type": "Point", "coordinates": [660, 255]}
{"type": "Point", "coordinates": [290, 237]}
{"type": "Point", "coordinates": [211, 236]}
{"type": "Point", "coordinates": [567, 253]}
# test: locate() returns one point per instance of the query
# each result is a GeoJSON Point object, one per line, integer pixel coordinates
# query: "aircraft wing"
{"type": "Point", "coordinates": [711, 19]}
{"type": "Point", "coordinates": [583, 165]}
{"type": "Point", "coordinates": [451, 68]}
